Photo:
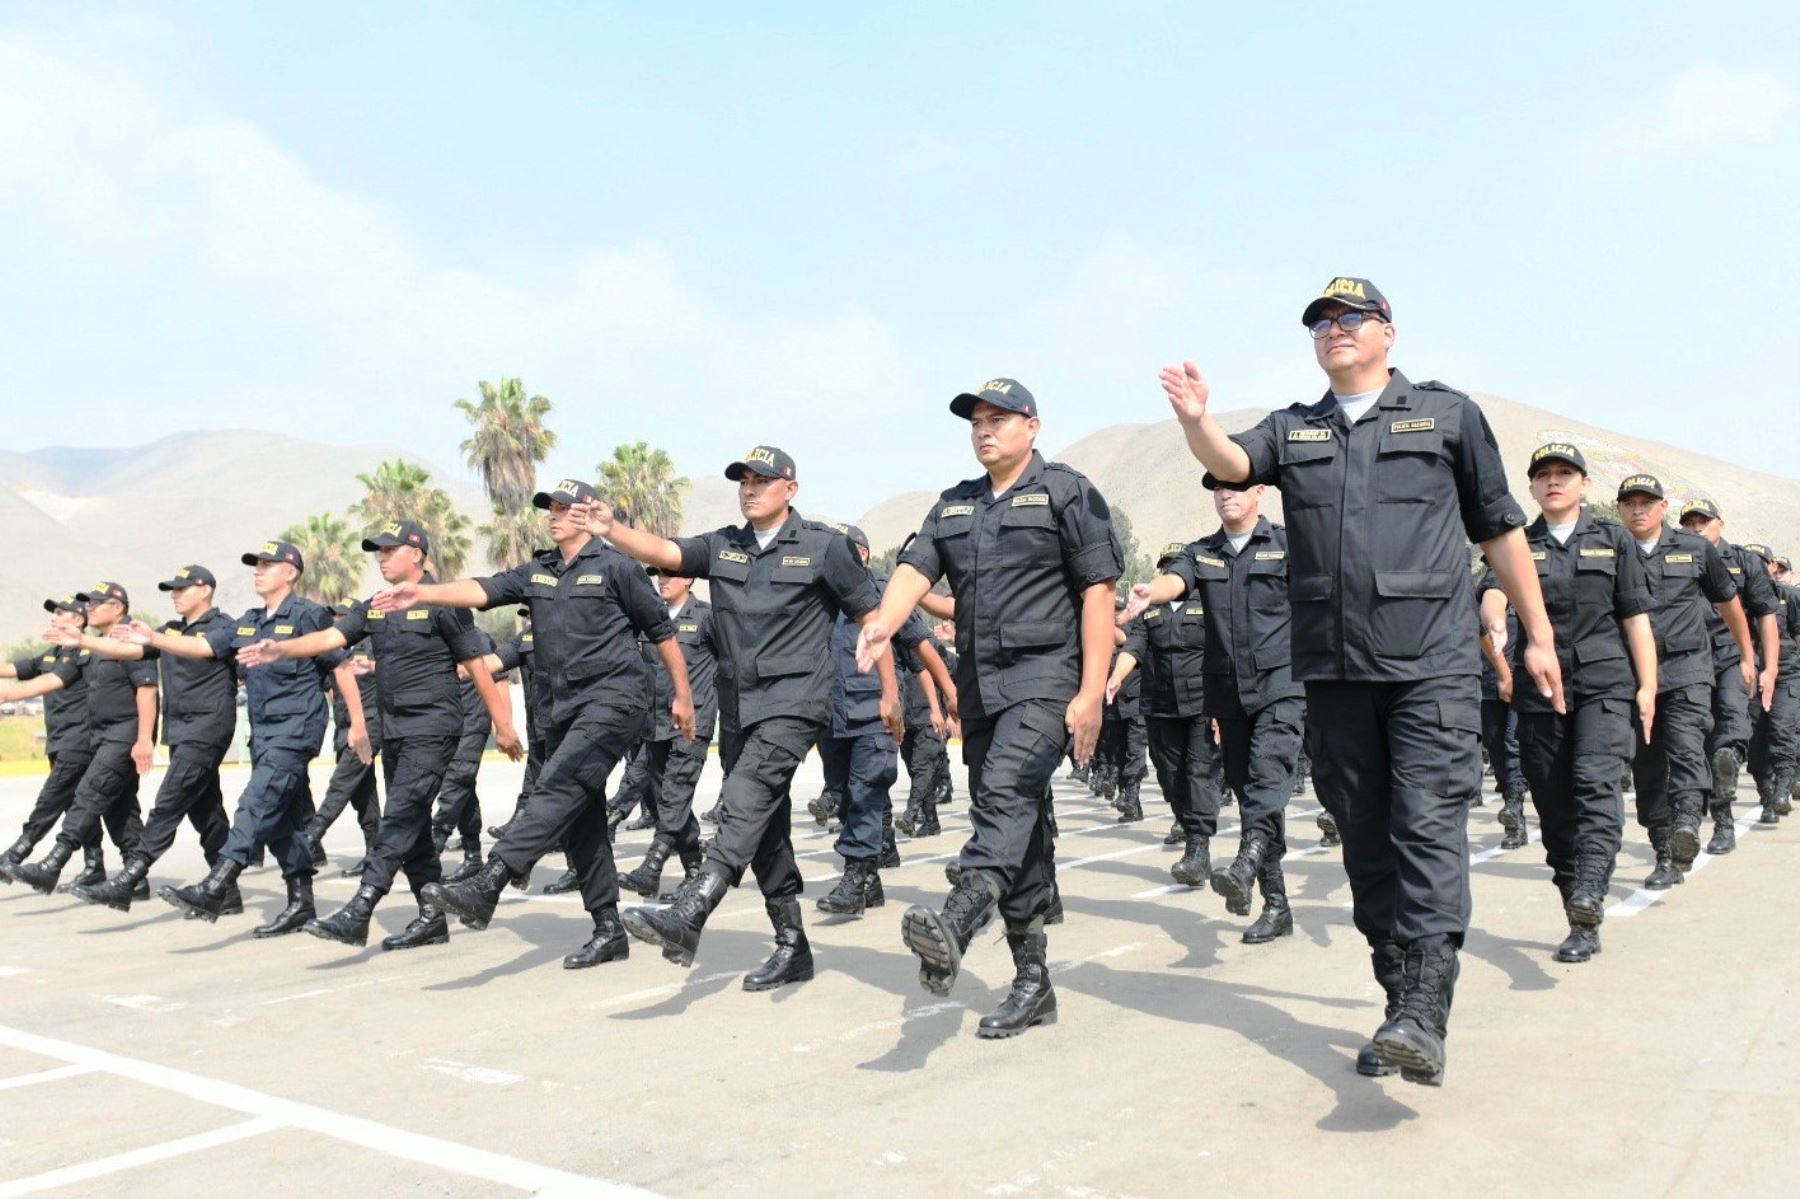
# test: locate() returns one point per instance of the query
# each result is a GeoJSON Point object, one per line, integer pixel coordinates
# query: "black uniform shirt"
{"type": "Point", "coordinates": [1590, 582]}
{"type": "Point", "coordinates": [772, 615]}
{"type": "Point", "coordinates": [587, 614]}
{"type": "Point", "coordinates": [199, 695]}
{"type": "Point", "coordinates": [1018, 565]}
{"type": "Point", "coordinates": [1756, 590]}
{"type": "Point", "coordinates": [67, 729]}
{"type": "Point", "coordinates": [856, 697]}
{"type": "Point", "coordinates": [1245, 594]}
{"type": "Point", "coordinates": [1169, 642]}
{"type": "Point", "coordinates": [1128, 704]}
{"type": "Point", "coordinates": [1787, 624]}
{"type": "Point", "coordinates": [1377, 516]}
{"type": "Point", "coordinates": [1684, 574]}
{"type": "Point", "coordinates": [371, 705]}
{"type": "Point", "coordinates": [694, 633]}
{"type": "Point", "coordinates": [286, 698]}
{"type": "Point", "coordinates": [915, 704]}
{"type": "Point", "coordinates": [111, 692]}
{"type": "Point", "coordinates": [418, 650]}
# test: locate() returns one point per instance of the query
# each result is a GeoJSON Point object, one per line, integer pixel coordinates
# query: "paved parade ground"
{"type": "Point", "coordinates": [147, 1055]}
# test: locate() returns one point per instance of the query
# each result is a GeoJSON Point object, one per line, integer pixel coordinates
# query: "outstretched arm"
{"type": "Point", "coordinates": [1188, 396]}
{"type": "Point", "coordinates": [647, 548]}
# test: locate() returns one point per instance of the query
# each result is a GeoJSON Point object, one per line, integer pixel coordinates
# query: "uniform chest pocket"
{"type": "Point", "coordinates": [1027, 534]}
{"type": "Point", "coordinates": [732, 569]}
{"type": "Point", "coordinates": [1680, 566]}
{"type": "Point", "coordinates": [795, 570]}
{"type": "Point", "coordinates": [1592, 563]}
{"type": "Point", "coordinates": [1407, 462]}
{"type": "Point", "coordinates": [1309, 470]}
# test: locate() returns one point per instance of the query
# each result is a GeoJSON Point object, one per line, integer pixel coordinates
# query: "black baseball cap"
{"type": "Point", "coordinates": [767, 460]}
{"type": "Point", "coordinates": [1705, 508]}
{"type": "Point", "coordinates": [1648, 485]}
{"type": "Point", "coordinates": [1556, 451]}
{"type": "Point", "coordinates": [854, 534]}
{"type": "Point", "coordinates": [1784, 563]}
{"type": "Point", "coordinates": [276, 551]}
{"type": "Point", "coordinates": [569, 491]}
{"type": "Point", "coordinates": [1009, 394]}
{"type": "Point", "coordinates": [1358, 295]}
{"type": "Point", "coordinates": [1760, 549]}
{"type": "Point", "coordinates": [188, 576]}
{"type": "Point", "coordinates": [397, 532]}
{"type": "Point", "coordinates": [68, 603]}
{"type": "Point", "coordinates": [102, 591]}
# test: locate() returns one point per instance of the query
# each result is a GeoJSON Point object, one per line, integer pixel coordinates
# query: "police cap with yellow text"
{"type": "Point", "coordinates": [189, 576]}
{"type": "Point", "coordinates": [276, 551]}
{"type": "Point", "coordinates": [569, 492]}
{"type": "Point", "coordinates": [1358, 295]}
{"type": "Point", "coordinates": [771, 462]}
{"type": "Point", "coordinates": [397, 532]}
{"type": "Point", "coordinates": [1641, 484]}
{"type": "Point", "coordinates": [1007, 394]}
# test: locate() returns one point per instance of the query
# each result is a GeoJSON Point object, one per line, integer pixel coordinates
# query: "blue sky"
{"type": "Point", "coordinates": [711, 225]}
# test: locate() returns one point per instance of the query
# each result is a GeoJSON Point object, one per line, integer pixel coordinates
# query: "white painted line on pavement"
{"type": "Point", "coordinates": [51, 1075]}
{"type": "Point", "coordinates": [100, 1167]}
{"type": "Point", "coordinates": [369, 1134]}
{"type": "Point", "coordinates": [1643, 898]}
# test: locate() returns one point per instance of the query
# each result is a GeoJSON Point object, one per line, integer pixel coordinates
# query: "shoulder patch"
{"type": "Point", "coordinates": [957, 510]}
{"type": "Point", "coordinates": [1035, 499]}
{"type": "Point", "coordinates": [1309, 435]}
{"type": "Point", "coordinates": [1171, 549]}
{"type": "Point", "coordinates": [1422, 425]}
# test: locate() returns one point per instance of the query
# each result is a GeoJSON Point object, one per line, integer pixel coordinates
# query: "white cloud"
{"type": "Point", "coordinates": [1708, 107]}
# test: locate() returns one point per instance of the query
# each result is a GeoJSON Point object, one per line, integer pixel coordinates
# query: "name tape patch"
{"type": "Point", "coordinates": [1270, 555]}
{"type": "Point", "coordinates": [284, 628]}
{"type": "Point", "coordinates": [1309, 434]}
{"type": "Point", "coordinates": [1422, 425]}
{"type": "Point", "coordinates": [246, 630]}
{"type": "Point", "coordinates": [687, 628]}
{"type": "Point", "coordinates": [1679, 558]}
{"type": "Point", "coordinates": [1539, 555]}
{"type": "Point", "coordinates": [957, 510]}
{"type": "Point", "coordinates": [589, 580]}
{"type": "Point", "coordinates": [1036, 499]}
{"type": "Point", "coordinates": [1606, 551]}
{"type": "Point", "coordinates": [1193, 610]}
{"type": "Point", "coordinates": [418, 614]}
{"type": "Point", "coordinates": [795, 560]}
{"type": "Point", "coordinates": [544, 580]}
{"type": "Point", "coordinates": [733, 556]}
{"type": "Point", "coordinates": [1203, 560]}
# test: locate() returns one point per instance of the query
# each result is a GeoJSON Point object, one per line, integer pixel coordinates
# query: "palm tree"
{"type": "Point", "coordinates": [514, 536]}
{"type": "Point", "coordinates": [508, 442]}
{"type": "Point", "coordinates": [399, 490]}
{"type": "Point", "coordinates": [335, 561]}
{"type": "Point", "coordinates": [643, 482]}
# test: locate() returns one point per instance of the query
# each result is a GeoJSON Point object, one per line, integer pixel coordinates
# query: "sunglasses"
{"type": "Point", "coordinates": [1349, 322]}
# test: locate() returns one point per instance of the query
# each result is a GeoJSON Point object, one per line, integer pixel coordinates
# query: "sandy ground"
{"type": "Point", "coordinates": [146, 1055]}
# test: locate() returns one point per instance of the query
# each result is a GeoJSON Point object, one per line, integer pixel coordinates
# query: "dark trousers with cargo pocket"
{"type": "Point", "coordinates": [273, 811]}
{"type": "Point", "coordinates": [1500, 735]}
{"type": "Point", "coordinates": [459, 806]}
{"type": "Point", "coordinates": [1011, 756]}
{"type": "Point", "coordinates": [189, 791]}
{"type": "Point", "coordinates": [1731, 727]}
{"type": "Point", "coordinates": [1397, 765]}
{"type": "Point", "coordinates": [413, 770]}
{"type": "Point", "coordinates": [1671, 773]}
{"type": "Point", "coordinates": [1261, 751]}
{"type": "Point", "coordinates": [352, 785]}
{"type": "Point", "coordinates": [1775, 732]}
{"type": "Point", "coordinates": [1189, 770]}
{"type": "Point", "coordinates": [57, 793]}
{"type": "Point", "coordinates": [923, 751]}
{"type": "Point", "coordinates": [863, 770]}
{"type": "Point", "coordinates": [756, 802]}
{"type": "Point", "coordinates": [1571, 763]}
{"type": "Point", "coordinates": [107, 794]}
{"type": "Point", "coordinates": [674, 768]}
{"type": "Point", "coordinates": [567, 806]}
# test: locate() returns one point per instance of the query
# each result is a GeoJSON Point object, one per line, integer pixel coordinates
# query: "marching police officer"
{"type": "Point", "coordinates": [1029, 551]}
{"type": "Point", "coordinates": [1166, 640]}
{"type": "Point", "coordinates": [68, 743]}
{"type": "Point", "coordinates": [420, 697]}
{"type": "Point", "coordinates": [199, 697]}
{"type": "Point", "coordinates": [356, 742]}
{"type": "Point", "coordinates": [778, 582]}
{"type": "Point", "coordinates": [922, 749]}
{"type": "Point", "coordinates": [1775, 728]}
{"type": "Point", "coordinates": [673, 762]}
{"type": "Point", "coordinates": [1499, 629]}
{"type": "Point", "coordinates": [287, 709]}
{"type": "Point", "coordinates": [1123, 737]}
{"type": "Point", "coordinates": [1238, 576]}
{"type": "Point", "coordinates": [1592, 578]}
{"type": "Point", "coordinates": [589, 604]}
{"type": "Point", "coordinates": [1382, 480]}
{"type": "Point", "coordinates": [459, 805]}
{"type": "Point", "coordinates": [121, 700]}
{"type": "Point", "coordinates": [1683, 572]}
{"type": "Point", "coordinates": [1728, 744]}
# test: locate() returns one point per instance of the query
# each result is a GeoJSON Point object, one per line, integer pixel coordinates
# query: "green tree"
{"type": "Point", "coordinates": [1138, 566]}
{"type": "Point", "coordinates": [508, 441]}
{"type": "Point", "coordinates": [399, 490]}
{"type": "Point", "coordinates": [643, 482]}
{"type": "Point", "coordinates": [513, 536]}
{"type": "Point", "coordinates": [334, 556]}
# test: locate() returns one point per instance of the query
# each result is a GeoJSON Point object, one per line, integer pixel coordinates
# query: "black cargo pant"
{"type": "Point", "coordinates": [1397, 765]}
{"type": "Point", "coordinates": [1571, 763]}
{"type": "Point", "coordinates": [55, 796]}
{"type": "Point", "coordinates": [1189, 770]}
{"type": "Point", "coordinates": [1730, 714]}
{"type": "Point", "coordinates": [353, 785]}
{"type": "Point", "coordinates": [923, 750]}
{"type": "Point", "coordinates": [1012, 755]}
{"type": "Point", "coordinates": [107, 794]}
{"type": "Point", "coordinates": [756, 802]}
{"type": "Point", "coordinates": [189, 791]}
{"type": "Point", "coordinates": [636, 786]}
{"type": "Point", "coordinates": [674, 767]}
{"type": "Point", "coordinates": [459, 807]}
{"type": "Point", "coordinates": [1500, 736]}
{"type": "Point", "coordinates": [567, 805]}
{"type": "Point", "coordinates": [413, 769]}
{"type": "Point", "coordinates": [863, 770]}
{"type": "Point", "coordinates": [1775, 732]}
{"type": "Point", "coordinates": [1127, 739]}
{"type": "Point", "coordinates": [1671, 773]}
{"type": "Point", "coordinates": [1261, 751]}
{"type": "Point", "coordinates": [273, 810]}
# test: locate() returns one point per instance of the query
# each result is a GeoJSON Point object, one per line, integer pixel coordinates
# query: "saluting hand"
{"type": "Point", "coordinates": [59, 636]}
{"type": "Point", "coordinates": [1546, 672]}
{"type": "Point", "coordinates": [134, 631]}
{"type": "Point", "coordinates": [395, 599]}
{"type": "Point", "coordinates": [1082, 718]}
{"type": "Point", "coordinates": [1187, 391]}
{"type": "Point", "coordinates": [871, 643]}
{"type": "Point", "coordinates": [1135, 605]}
{"type": "Point", "coordinates": [681, 712]}
{"type": "Point", "coordinates": [506, 740]}
{"type": "Point", "coordinates": [1646, 707]}
{"type": "Point", "coordinates": [595, 517]}
{"type": "Point", "coordinates": [260, 653]}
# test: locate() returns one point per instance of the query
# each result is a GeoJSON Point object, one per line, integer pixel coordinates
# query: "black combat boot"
{"type": "Point", "coordinates": [1684, 837]}
{"type": "Point", "coordinates": [615, 816]}
{"type": "Point", "coordinates": [440, 838]}
{"type": "Point", "coordinates": [907, 821]}
{"type": "Point", "coordinates": [608, 944]}
{"type": "Point", "coordinates": [1175, 835]}
{"type": "Point", "coordinates": [41, 875]}
{"type": "Point", "coordinates": [1328, 828]}
{"type": "Point", "coordinates": [1724, 790]}
{"type": "Point", "coordinates": [355, 870]}
{"type": "Point", "coordinates": [928, 823]}
{"type": "Point", "coordinates": [1584, 903]}
{"type": "Point", "coordinates": [1388, 963]}
{"type": "Point", "coordinates": [15, 853]}
{"type": "Point", "coordinates": [1080, 771]}
{"type": "Point", "coordinates": [850, 896]}
{"type": "Point", "coordinates": [1130, 810]}
{"type": "Point", "coordinates": [1765, 792]}
{"type": "Point", "coordinates": [474, 899]}
{"type": "Point", "coordinates": [941, 938]}
{"type": "Point", "coordinates": [471, 863]}
{"type": "Point", "coordinates": [1664, 875]}
{"type": "Point", "coordinates": [1195, 866]}
{"type": "Point", "coordinates": [1787, 790]}
{"type": "Point", "coordinates": [294, 916]}
{"type": "Point", "coordinates": [93, 869]}
{"type": "Point", "coordinates": [1237, 881]}
{"type": "Point", "coordinates": [1512, 816]}
{"type": "Point", "coordinates": [953, 872]}
{"type": "Point", "coordinates": [946, 790]}
{"type": "Point", "coordinates": [691, 860]}
{"type": "Point", "coordinates": [1582, 943]}
{"type": "Point", "coordinates": [207, 899]}
{"type": "Point", "coordinates": [645, 819]}
{"type": "Point", "coordinates": [824, 807]}
{"type": "Point", "coordinates": [315, 843]}
{"type": "Point", "coordinates": [429, 927]}
{"type": "Point", "coordinates": [563, 883]}
{"type": "Point", "coordinates": [1277, 919]}
{"type": "Point", "coordinates": [676, 929]}
{"type": "Point", "coordinates": [1413, 1039]}
{"type": "Point", "coordinates": [350, 926]}
{"type": "Point", "coordinates": [792, 961]}
{"type": "Point", "coordinates": [890, 852]}
{"type": "Point", "coordinates": [711, 815]}
{"type": "Point", "coordinates": [1031, 1000]}
{"type": "Point", "coordinates": [118, 891]}
{"type": "Point", "coordinates": [647, 878]}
